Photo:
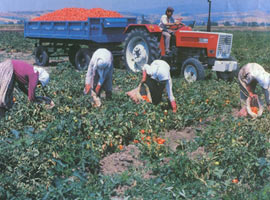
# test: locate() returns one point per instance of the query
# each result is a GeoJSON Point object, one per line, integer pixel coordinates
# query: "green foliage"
{"type": "Point", "coordinates": [55, 154]}
{"type": "Point", "coordinates": [15, 42]}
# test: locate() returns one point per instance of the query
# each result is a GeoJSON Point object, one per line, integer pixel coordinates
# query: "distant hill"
{"type": "Point", "coordinates": [20, 16]}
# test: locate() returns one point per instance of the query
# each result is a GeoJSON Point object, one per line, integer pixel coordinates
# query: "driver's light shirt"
{"type": "Point", "coordinates": [165, 20]}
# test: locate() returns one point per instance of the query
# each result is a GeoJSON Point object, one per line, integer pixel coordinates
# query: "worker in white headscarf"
{"type": "Point", "coordinates": [157, 77]}
{"type": "Point", "coordinates": [99, 73]}
{"type": "Point", "coordinates": [249, 76]}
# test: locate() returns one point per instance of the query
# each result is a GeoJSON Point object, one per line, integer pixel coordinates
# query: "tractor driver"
{"type": "Point", "coordinates": [166, 22]}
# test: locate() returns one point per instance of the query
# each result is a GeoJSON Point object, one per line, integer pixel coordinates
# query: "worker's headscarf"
{"type": "Point", "coordinates": [43, 75]}
{"type": "Point", "coordinates": [158, 70]}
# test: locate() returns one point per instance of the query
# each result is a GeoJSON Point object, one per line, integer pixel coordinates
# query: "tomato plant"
{"type": "Point", "coordinates": [55, 153]}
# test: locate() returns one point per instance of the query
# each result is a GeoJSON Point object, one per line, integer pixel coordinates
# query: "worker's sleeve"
{"type": "Point", "coordinates": [169, 89]}
{"type": "Point", "coordinates": [89, 79]}
{"type": "Point", "coordinates": [163, 20]}
{"type": "Point", "coordinates": [32, 84]}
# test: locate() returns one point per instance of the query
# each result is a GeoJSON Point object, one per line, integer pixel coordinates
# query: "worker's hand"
{"type": "Point", "coordinates": [97, 90]}
{"type": "Point", "coordinates": [252, 95]}
{"type": "Point", "coordinates": [174, 106]}
{"type": "Point", "coordinates": [87, 88]}
{"type": "Point", "coordinates": [144, 76]}
{"type": "Point", "coordinates": [50, 105]}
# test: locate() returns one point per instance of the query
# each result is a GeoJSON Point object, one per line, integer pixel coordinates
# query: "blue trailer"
{"type": "Point", "coordinates": [76, 39]}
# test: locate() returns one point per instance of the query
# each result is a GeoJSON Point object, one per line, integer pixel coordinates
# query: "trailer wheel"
{"type": "Point", "coordinates": [82, 59]}
{"type": "Point", "coordinates": [192, 70]}
{"type": "Point", "coordinates": [72, 53]}
{"type": "Point", "coordinates": [41, 56]}
{"type": "Point", "coordinates": [140, 48]}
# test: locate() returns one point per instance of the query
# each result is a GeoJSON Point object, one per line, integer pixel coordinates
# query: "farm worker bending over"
{"type": "Point", "coordinates": [249, 75]}
{"type": "Point", "coordinates": [156, 77]}
{"type": "Point", "coordinates": [99, 74]}
{"type": "Point", "coordinates": [12, 71]}
{"type": "Point", "coordinates": [166, 22]}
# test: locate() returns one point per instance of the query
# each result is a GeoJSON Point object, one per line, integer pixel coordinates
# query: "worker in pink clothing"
{"type": "Point", "coordinates": [27, 78]}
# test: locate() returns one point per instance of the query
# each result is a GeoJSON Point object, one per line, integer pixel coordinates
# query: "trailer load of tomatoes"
{"type": "Point", "coordinates": [76, 14]}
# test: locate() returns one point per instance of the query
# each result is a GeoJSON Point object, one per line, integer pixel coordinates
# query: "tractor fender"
{"type": "Point", "coordinates": [152, 28]}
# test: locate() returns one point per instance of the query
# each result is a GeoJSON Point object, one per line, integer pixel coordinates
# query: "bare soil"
{"type": "Point", "coordinates": [173, 137]}
{"type": "Point", "coordinates": [119, 162]}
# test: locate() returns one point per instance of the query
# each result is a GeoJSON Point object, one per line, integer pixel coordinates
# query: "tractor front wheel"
{"type": "Point", "coordinates": [140, 47]}
{"type": "Point", "coordinates": [192, 70]}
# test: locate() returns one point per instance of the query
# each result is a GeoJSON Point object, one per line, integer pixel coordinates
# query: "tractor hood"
{"type": "Point", "coordinates": [218, 45]}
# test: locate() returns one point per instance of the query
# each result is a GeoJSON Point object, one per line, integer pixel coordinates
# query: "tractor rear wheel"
{"type": "Point", "coordinates": [192, 70]}
{"type": "Point", "coordinates": [140, 47]}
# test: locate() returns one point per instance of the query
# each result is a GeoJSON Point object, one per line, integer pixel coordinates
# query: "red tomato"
{"type": "Point", "coordinates": [76, 14]}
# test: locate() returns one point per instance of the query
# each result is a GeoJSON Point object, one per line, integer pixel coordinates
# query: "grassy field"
{"type": "Point", "coordinates": [56, 154]}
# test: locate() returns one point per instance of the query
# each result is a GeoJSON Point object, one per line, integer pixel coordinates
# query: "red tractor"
{"type": "Point", "coordinates": [192, 51]}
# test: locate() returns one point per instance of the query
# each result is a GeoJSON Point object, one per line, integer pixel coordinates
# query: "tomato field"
{"type": "Point", "coordinates": [57, 153]}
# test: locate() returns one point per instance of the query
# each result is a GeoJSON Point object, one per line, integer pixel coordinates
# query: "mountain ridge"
{"type": "Point", "coordinates": [258, 16]}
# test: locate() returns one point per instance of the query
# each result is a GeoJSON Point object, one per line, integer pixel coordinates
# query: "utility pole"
{"type": "Point", "coordinates": [209, 16]}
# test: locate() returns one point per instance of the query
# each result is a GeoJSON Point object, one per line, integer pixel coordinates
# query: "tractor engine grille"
{"type": "Point", "coordinates": [224, 46]}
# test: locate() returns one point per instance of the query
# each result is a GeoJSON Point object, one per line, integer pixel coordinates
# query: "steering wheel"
{"type": "Point", "coordinates": [176, 26]}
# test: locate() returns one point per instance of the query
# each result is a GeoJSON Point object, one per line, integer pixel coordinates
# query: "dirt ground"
{"type": "Point", "coordinates": [173, 137]}
{"type": "Point", "coordinates": [129, 158]}
{"type": "Point", "coordinates": [121, 161]}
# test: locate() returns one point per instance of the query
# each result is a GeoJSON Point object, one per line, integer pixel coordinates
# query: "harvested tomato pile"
{"type": "Point", "coordinates": [76, 14]}
{"type": "Point", "coordinates": [254, 110]}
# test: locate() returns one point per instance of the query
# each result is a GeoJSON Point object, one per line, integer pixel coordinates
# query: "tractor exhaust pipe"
{"type": "Point", "coordinates": [209, 16]}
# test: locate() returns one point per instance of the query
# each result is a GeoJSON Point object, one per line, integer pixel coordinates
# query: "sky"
{"type": "Point", "coordinates": [135, 5]}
